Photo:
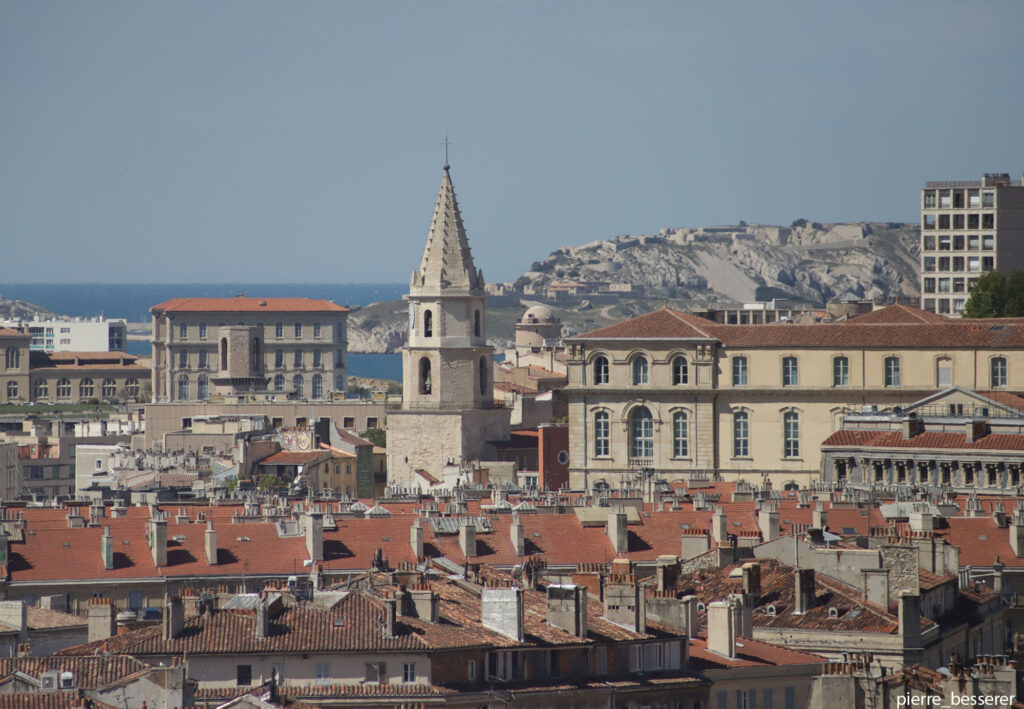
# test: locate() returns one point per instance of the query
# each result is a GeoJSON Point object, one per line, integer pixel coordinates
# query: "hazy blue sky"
{"type": "Point", "coordinates": [301, 141]}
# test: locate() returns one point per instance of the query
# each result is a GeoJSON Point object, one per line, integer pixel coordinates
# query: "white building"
{"type": "Point", "coordinates": [74, 334]}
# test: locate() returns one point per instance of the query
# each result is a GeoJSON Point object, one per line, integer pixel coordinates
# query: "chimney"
{"type": "Point", "coordinates": [158, 541]}
{"type": "Point", "coordinates": [819, 518]}
{"type": "Point", "coordinates": [997, 575]}
{"type": "Point", "coordinates": [666, 572]}
{"type": "Point", "coordinates": [515, 531]}
{"type": "Point", "coordinates": [107, 549]}
{"type": "Point", "coordinates": [743, 614]}
{"type": "Point", "coordinates": [262, 619]}
{"type": "Point", "coordinates": [720, 526]}
{"type": "Point", "coordinates": [625, 603]}
{"type": "Point", "coordinates": [721, 629]}
{"type": "Point", "coordinates": [390, 614]}
{"type": "Point", "coordinates": [910, 620]}
{"type": "Point", "coordinates": [567, 608]}
{"type": "Point", "coordinates": [911, 426]}
{"type": "Point", "coordinates": [101, 619]}
{"type": "Point", "coordinates": [174, 617]}
{"type": "Point", "coordinates": [768, 520]}
{"type": "Point", "coordinates": [211, 543]}
{"type": "Point", "coordinates": [426, 604]}
{"type": "Point", "coordinates": [315, 535]}
{"type": "Point", "coordinates": [694, 544]}
{"type": "Point", "coordinates": [617, 532]}
{"type": "Point", "coordinates": [1017, 532]}
{"type": "Point", "coordinates": [15, 614]}
{"type": "Point", "coordinates": [416, 538]}
{"type": "Point", "coordinates": [752, 579]}
{"type": "Point", "coordinates": [876, 586]}
{"type": "Point", "coordinates": [921, 519]}
{"type": "Point", "coordinates": [974, 430]}
{"type": "Point", "coordinates": [467, 538]}
{"type": "Point", "coordinates": [690, 615]}
{"type": "Point", "coordinates": [501, 610]}
{"type": "Point", "coordinates": [803, 590]}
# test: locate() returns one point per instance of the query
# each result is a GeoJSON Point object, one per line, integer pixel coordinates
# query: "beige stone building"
{"type": "Point", "coordinates": [14, 365]}
{"type": "Point", "coordinates": [967, 229]}
{"type": "Point", "coordinates": [448, 413]}
{"type": "Point", "coordinates": [212, 348]}
{"type": "Point", "coordinates": [674, 394]}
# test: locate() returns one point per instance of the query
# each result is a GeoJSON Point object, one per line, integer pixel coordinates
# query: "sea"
{"type": "Point", "coordinates": [132, 302]}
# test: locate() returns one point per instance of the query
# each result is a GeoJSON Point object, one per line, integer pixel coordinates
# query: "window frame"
{"type": "Point", "coordinates": [891, 368]}
{"type": "Point", "coordinates": [641, 371]}
{"type": "Point", "coordinates": [602, 434]}
{"type": "Point", "coordinates": [790, 371]}
{"type": "Point", "coordinates": [600, 370]}
{"type": "Point", "coordinates": [641, 433]}
{"type": "Point", "coordinates": [741, 434]}
{"type": "Point", "coordinates": [680, 436]}
{"type": "Point", "coordinates": [840, 371]}
{"type": "Point", "coordinates": [740, 370]}
{"type": "Point", "coordinates": [998, 372]}
{"type": "Point", "coordinates": [791, 434]}
{"type": "Point", "coordinates": [680, 371]}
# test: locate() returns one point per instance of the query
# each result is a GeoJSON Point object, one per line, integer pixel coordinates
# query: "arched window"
{"type": "Point", "coordinates": [476, 323]}
{"type": "Point", "coordinates": [602, 434]}
{"type": "Point", "coordinates": [740, 434]}
{"type": "Point", "coordinates": [680, 435]}
{"type": "Point", "coordinates": [42, 390]}
{"type": "Point", "coordinates": [86, 390]}
{"type": "Point", "coordinates": [257, 365]}
{"type": "Point", "coordinates": [483, 376]}
{"type": "Point", "coordinates": [183, 387]}
{"type": "Point", "coordinates": [297, 383]}
{"type": "Point", "coordinates": [640, 371]}
{"type": "Point", "coordinates": [12, 358]}
{"type": "Point", "coordinates": [641, 429]}
{"type": "Point", "coordinates": [318, 386]}
{"type": "Point", "coordinates": [109, 388]}
{"type": "Point", "coordinates": [680, 371]}
{"type": "Point", "coordinates": [425, 383]}
{"type": "Point", "coordinates": [739, 371]}
{"type": "Point", "coordinates": [892, 371]}
{"type": "Point", "coordinates": [203, 387]}
{"type": "Point", "coordinates": [997, 372]}
{"type": "Point", "coordinates": [131, 387]}
{"type": "Point", "coordinates": [790, 373]}
{"type": "Point", "coordinates": [64, 388]}
{"type": "Point", "coordinates": [223, 354]}
{"type": "Point", "coordinates": [12, 390]}
{"type": "Point", "coordinates": [428, 323]}
{"type": "Point", "coordinates": [791, 434]}
{"type": "Point", "coordinates": [278, 359]}
{"type": "Point", "coordinates": [278, 382]}
{"type": "Point", "coordinates": [841, 372]}
{"type": "Point", "coordinates": [601, 370]}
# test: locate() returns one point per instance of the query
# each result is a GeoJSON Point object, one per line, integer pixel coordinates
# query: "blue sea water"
{"type": "Point", "coordinates": [132, 301]}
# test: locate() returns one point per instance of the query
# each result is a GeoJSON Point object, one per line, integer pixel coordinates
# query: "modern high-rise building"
{"type": "Point", "coordinates": [73, 334]}
{"type": "Point", "coordinates": [967, 229]}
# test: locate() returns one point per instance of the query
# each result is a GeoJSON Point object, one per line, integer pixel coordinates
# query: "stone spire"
{"type": "Point", "coordinates": [447, 266]}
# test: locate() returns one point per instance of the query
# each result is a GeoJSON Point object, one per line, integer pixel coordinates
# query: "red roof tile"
{"type": "Point", "coordinates": [295, 457]}
{"type": "Point", "coordinates": [249, 305]}
{"type": "Point", "coordinates": [926, 440]}
{"type": "Point", "coordinates": [749, 653]}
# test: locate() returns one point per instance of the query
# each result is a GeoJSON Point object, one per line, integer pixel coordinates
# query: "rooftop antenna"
{"type": "Point", "coordinates": [446, 144]}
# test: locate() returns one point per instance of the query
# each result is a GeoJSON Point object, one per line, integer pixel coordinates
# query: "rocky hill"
{"type": "Point", "coordinates": [810, 262]}
{"type": "Point", "coordinates": [20, 310]}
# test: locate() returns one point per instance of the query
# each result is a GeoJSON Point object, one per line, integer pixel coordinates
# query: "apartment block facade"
{"type": "Point", "coordinates": [217, 348]}
{"type": "Point", "coordinates": [967, 229]}
{"type": "Point", "coordinates": [74, 334]}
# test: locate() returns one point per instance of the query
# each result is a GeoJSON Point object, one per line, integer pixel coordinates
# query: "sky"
{"type": "Point", "coordinates": [301, 141]}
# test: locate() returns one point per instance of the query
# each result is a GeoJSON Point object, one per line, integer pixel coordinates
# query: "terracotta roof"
{"type": "Point", "coordinates": [90, 672]}
{"type": "Point", "coordinates": [749, 653]}
{"type": "Point", "coordinates": [41, 618]}
{"type": "Point", "coordinates": [11, 332]}
{"type": "Point", "coordinates": [49, 700]}
{"type": "Point", "coordinates": [248, 305]}
{"type": "Point", "coordinates": [294, 457]}
{"type": "Point", "coordinates": [926, 440]}
{"type": "Point", "coordinates": [888, 328]}
{"type": "Point", "coordinates": [1005, 398]}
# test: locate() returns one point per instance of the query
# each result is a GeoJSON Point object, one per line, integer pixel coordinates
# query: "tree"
{"type": "Point", "coordinates": [990, 296]}
{"type": "Point", "coordinates": [376, 436]}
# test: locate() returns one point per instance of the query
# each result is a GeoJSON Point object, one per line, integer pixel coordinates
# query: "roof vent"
{"type": "Point", "coordinates": [770, 611]}
{"type": "Point", "coordinates": [339, 622]}
{"type": "Point", "coordinates": [243, 539]}
{"type": "Point", "coordinates": [833, 612]}
{"type": "Point", "coordinates": [262, 303]}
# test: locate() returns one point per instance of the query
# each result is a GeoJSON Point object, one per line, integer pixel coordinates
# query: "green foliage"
{"type": "Point", "coordinates": [377, 436]}
{"type": "Point", "coordinates": [231, 483]}
{"type": "Point", "coordinates": [269, 482]}
{"type": "Point", "coordinates": [997, 296]}
{"type": "Point", "coordinates": [798, 223]}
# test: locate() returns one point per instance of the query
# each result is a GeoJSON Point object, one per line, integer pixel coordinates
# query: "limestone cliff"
{"type": "Point", "coordinates": [21, 310]}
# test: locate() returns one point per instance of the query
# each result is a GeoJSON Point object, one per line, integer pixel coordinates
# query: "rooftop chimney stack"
{"type": "Point", "coordinates": [617, 531]}
{"type": "Point", "coordinates": [101, 619]}
{"type": "Point", "coordinates": [1017, 532]}
{"type": "Point", "coordinates": [720, 526]}
{"type": "Point", "coordinates": [876, 586]}
{"type": "Point", "coordinates": [819, 518]}
{"type": "Point", "coordinates": [107, 549]}
{"type": "Point", "coordinates": [721, 629]}
{"type": "Point", "coordinates": [426, 604]}
{"type": "Point", "coordinates": [416, 538]}
{"type": "Point", "coordinates": [752, 579]}
{"type": "Point", "coordinates": [803, 591]}
{"type": "Point", "coordinates": [502, 611]}
{"type": "Point", "coordinates": [567, 608]}
{"type": "Point", "coordinates": [174, 617]}
{"type": "Point", "coordinates": [210, 543]}
{"type": "Point", "coordinates": [315, 535]}
{"type": "Point", "coordinates": [910, 621]}
{"type": "Point", "coordinates": [15, 614]}
{"type": "Point", "coordinates": [625, 603]}
{"type": "Point", "coordinates": [694, 544]}
{"type": "Point", "coordinates": [768, 520]}
{"type": "Point", "coordinates": [467, 538]}
{"type": "Point", "coordinates": [690, 615]}
{"type": "Point", "coordinates": [518, 536]}
{"type": "Point", "coordinates": [158, 541]}
{"type": "Point", "coordinates": [262, 619]}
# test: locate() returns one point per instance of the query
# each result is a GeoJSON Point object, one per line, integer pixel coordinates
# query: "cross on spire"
{"type": "Point", "coordinates": [446, 144]}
